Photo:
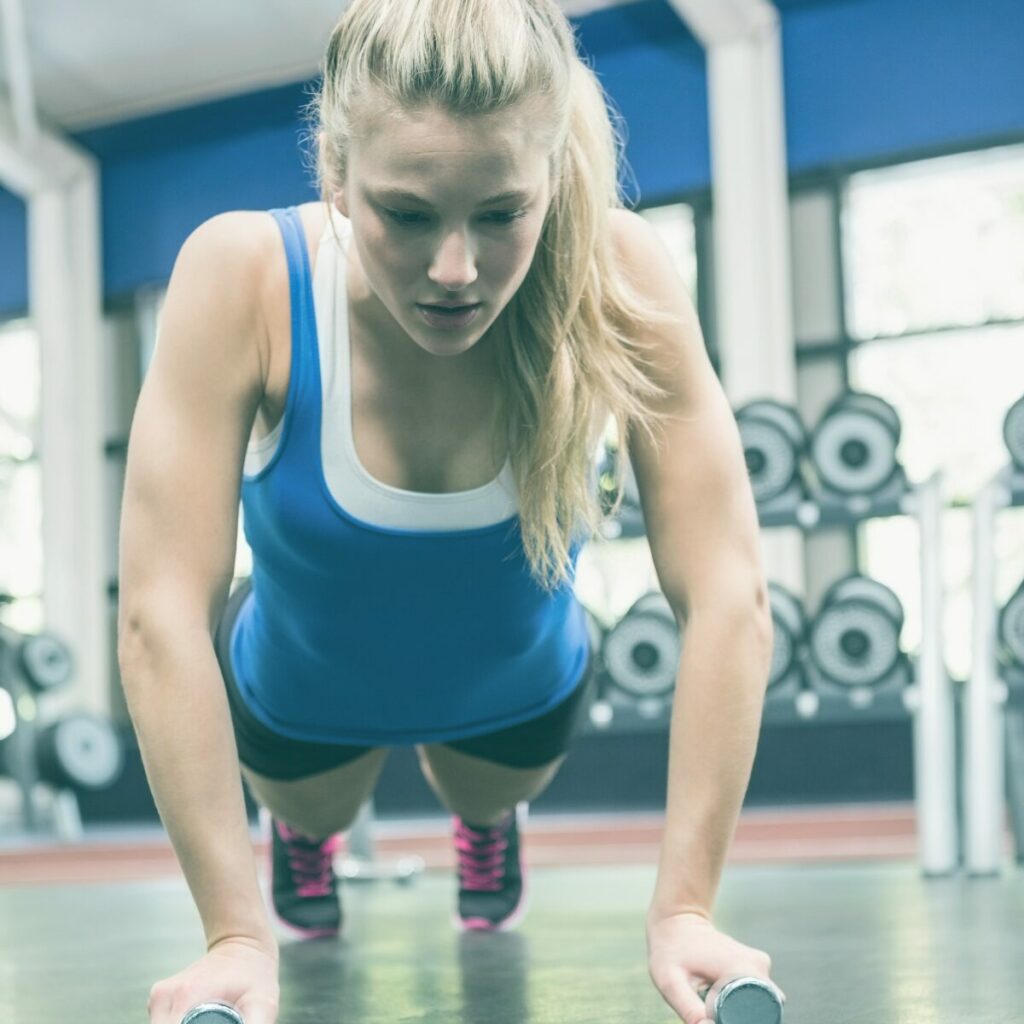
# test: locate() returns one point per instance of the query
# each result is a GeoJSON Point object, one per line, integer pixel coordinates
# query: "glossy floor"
{"type": "Point", "coordinates": [852, 943]}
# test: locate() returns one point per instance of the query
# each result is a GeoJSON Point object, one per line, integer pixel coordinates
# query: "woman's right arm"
{"type": "Point", "coordinates": [179, 525]}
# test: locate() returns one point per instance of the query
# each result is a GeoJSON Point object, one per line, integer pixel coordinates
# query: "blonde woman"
{"type": "Point", "coordinates": [406, 384]}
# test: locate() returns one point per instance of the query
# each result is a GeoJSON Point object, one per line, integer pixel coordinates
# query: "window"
{"type": "Point", "coordinates": [21, 542]}
{"type": "Point", "coordinates": [937, 249]}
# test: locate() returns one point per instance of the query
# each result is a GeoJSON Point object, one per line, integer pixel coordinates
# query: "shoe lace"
{"type": "Point", "coordinates": [311, 861]}
{"type": "Point", "coordinates": [481, 854]}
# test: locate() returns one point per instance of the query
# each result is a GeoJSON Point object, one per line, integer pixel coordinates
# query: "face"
{"type": "Point", "coordinates": [446, 213]}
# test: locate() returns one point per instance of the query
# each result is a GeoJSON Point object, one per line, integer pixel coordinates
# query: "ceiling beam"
{"type": "Point", "coordinates": [19, 70]}
{"type": "Point", "coordinates": [722, 21]}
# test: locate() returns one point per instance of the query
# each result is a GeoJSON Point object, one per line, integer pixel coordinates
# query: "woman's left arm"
{"type": "Point", "coordinates": [702, 526]}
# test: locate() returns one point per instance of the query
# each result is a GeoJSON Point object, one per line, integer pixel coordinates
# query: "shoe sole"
{"type": "Point", "coordinates": [302, 933]}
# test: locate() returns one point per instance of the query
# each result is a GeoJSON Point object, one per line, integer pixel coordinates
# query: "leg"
{"type": "Point", "coordinates": [477, 790]}
{"type": "Point", "coordinates": [322, 804]}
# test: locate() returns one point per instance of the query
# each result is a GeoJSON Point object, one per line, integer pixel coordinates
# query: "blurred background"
{"type": "Point", "coordinates": [841, 186]}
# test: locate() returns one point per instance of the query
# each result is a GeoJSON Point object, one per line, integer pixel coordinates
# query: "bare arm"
{"type": "Point", "coordinates": [178, 534]}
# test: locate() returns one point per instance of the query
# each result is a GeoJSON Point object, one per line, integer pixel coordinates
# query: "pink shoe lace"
{"type": "Point", "coordinates": [310, 860]}
{"type": "Point", "coordinates": [481, 855]}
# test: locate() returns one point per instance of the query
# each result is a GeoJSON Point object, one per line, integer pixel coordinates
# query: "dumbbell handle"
{"type": "Point", "coordinates": [768, 1010]}
{"type": "Point", "coordinates": [213, 1013]}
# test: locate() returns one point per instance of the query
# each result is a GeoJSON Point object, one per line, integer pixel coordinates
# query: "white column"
{"type": "Point", "coordinates": [752, 267]}
{"type": "Point", "coordinates": [60, 185]}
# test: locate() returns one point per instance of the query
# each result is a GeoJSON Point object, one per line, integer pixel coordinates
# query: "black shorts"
{"type": "Point", "coordinates": [527, 745]}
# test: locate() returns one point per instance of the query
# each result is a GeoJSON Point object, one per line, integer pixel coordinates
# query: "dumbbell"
{"type": "Point", "coordinates": [854, 640]}
{"type": "Point", "coordinates": [746, 1001]}
{"type": "Point", "coordinates": [79, 751]}
{"type": "Point", "coordinates": [789, 622]}
{"type": "Point", "coordinates": [1011, 630]}
{"type": "Point", "coordinates": [854, 445]}
{"type": "Point", "coordinates": [1013, 433]}
{"type": "Point", "coordinates": [43, 660]}
{"type": "Point", "coordinates": [641, 652]}
{"type": "Point", "coordinates": [213, 1013]}
{"type": "Point", "coordinates": [774, 440]}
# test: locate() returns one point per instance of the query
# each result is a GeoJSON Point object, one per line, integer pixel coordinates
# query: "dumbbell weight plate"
{"type": "Point", "coordinates": [641, 654]}
{"type": "Point", "coordinates": [1013, 432]}
{"type": "Point", "coordinates": [876, 406]}
{"type": "Point", "coordinates": [45, 662]}
{"type": "Point", "coordinates": [1011, 627]}
{"type": "Point", "coordinates": [772, 461]}
{"type": "Point", "coordinates": [789, 621]}
{"type": "Point", "coordinates": [868, 589]}
{"type": "Point", "coordinates": [853, 451]}
{"type": "Point", "coordinates": [653, 601]}
{"type": "Point", "coordinates": [786, 417]}
{"type": "Point", "coordinates": [79, 750]}
{"type": "Point", "coordinates": [854, 643]}
{"type": "Point", "coordinates": [212, 1013]}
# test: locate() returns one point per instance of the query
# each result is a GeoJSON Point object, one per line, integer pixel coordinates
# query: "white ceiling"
{"type": "Point", "coordinates": [97, 61]}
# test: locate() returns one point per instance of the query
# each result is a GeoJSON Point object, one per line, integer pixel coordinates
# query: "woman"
{"type": "Point", "coordinates": [407, 384]}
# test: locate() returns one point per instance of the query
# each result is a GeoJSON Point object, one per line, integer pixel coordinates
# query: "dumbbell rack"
{"type": "Point", "coordinates": [989, 706]}
{"type": "Point", "coordinates": [63, 814]}
{"type": "Point", "coordinates": [930, 700]}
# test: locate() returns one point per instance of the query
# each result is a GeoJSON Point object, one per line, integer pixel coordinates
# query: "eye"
{"type": "Point", "coordinates": [404, 217]}
{"type": "Point", "coordinates": [506, 216]}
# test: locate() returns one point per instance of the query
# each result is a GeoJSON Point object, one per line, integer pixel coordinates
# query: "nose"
{"type": "Point", "coordinates": [454, 264]}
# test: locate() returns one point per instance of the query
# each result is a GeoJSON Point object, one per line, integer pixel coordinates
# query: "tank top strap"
{"type": "Point", "coordinates": [304, 400]}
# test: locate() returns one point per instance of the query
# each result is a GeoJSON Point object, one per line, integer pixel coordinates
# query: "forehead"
{"type": "Point", "coordinates": [405, 146]}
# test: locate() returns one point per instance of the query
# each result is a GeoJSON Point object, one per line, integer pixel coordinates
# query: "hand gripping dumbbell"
{"type": "Point", "coordinates": [213, 1013]}
{"type": "Point", "coordinates": [741, 1000]}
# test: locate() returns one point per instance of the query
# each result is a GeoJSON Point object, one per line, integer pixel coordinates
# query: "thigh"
{"type": "Point", "coordinates": [266, 754]}
{"type": "Point", "coordinates": [538, 742]}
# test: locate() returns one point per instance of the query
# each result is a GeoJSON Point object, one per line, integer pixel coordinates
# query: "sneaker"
{"type": "Point", "coordinates": [492, 889]}
{"type": "Point", "coordinates": [303, 883]}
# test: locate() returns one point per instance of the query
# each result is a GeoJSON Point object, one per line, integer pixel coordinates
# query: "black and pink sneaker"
{"type": "Point", "coordinates": [303, 884]}
{"type": "Point", "coordinates": [492, 889]}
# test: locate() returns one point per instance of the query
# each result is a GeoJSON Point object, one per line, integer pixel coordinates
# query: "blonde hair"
{"type": "Point", "coordinates": [567, 361]}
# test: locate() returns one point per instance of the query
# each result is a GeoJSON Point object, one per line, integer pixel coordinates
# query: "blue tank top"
{"type": "Point", "coordinates": [360, 632]}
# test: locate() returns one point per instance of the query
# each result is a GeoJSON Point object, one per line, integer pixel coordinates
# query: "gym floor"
{"type": "Point", "coordinates": [856, 940]}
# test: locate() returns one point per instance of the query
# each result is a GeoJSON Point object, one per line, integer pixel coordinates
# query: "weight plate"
{"type": "Point", "coordinates": [854, 643]}
{"type": "Point", "coordinates": [81, 751]}
{"type": "Point", "coordinates": [1013, 432]}
{"type": "Point", "coordinates": [853, 451]}
{"type": "Point", "coordinates": [789, 622]}
{"type": "Point", "coordinates": [212, 1013]}
{"type": "Point", "coordinates": [866, 588]}
{"type": "Point", "coordinates": [875, 406]}
{"type": "Point", "coordinates": [772, 461]}
{"type": "Point", "coordinates": [641, 654]}
{"type": "Point", "coordinates": [1011, 627]}
{"type": "Point", "coordinates": [787, 417]}
{"type": "Point", "coordinates": [45, 661]}
{"type": "Point", "coordinates": [653, 601]}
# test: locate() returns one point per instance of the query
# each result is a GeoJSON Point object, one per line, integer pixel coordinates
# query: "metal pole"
{"type": "Point", "coordinates": [984, 740]}
{"type": "Point", "coordinates": [935, 719]}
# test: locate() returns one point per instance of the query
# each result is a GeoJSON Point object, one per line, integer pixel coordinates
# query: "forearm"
{"type": "Point", "coordinates": [716, 719]}
{"type": "Point", "coordinates": [176, 697]}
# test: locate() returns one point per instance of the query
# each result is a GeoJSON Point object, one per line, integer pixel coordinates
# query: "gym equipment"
{"type": "Point", "coordinates": [213, 1013]}
{"type": "Point", "coordinates": [789, 619]}
{"type": "Point", "coordinates": [629, 521]}
{"type": "Point", "coordinates": [854, 640]}
{"type": "Point", "coordinates": [1011, 630]}
{"type": "Point", "coordinates": [746, 1001]}
{"type": "Point", "coordinates": [853, 447]}
{"type": "Point", "coordinates": [1013, 433]}
{"type": "Point", "coordinates": [642, 651]}
{"type": "Point", "coordinates": [774, 441]}
{"type": "Point", "coordinates": [79, 751]}
{"type": "Point", "coordinates": [45, 661]}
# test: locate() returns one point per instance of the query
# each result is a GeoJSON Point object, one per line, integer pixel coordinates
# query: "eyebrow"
{"type": "Point", "coordinates": [400, 195]}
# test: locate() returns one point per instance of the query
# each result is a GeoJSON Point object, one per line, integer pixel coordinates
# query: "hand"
{"type": "Point", "coordinates": [687, 954]}
{"type": "Point", "coordinates": [241, 972]}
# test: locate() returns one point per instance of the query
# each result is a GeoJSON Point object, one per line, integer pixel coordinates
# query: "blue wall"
{"type": "Point", "coordinates": [866, 81]}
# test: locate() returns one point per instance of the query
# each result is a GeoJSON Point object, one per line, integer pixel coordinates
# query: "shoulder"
{"type": "Point", "coordinates": [670, 336]}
